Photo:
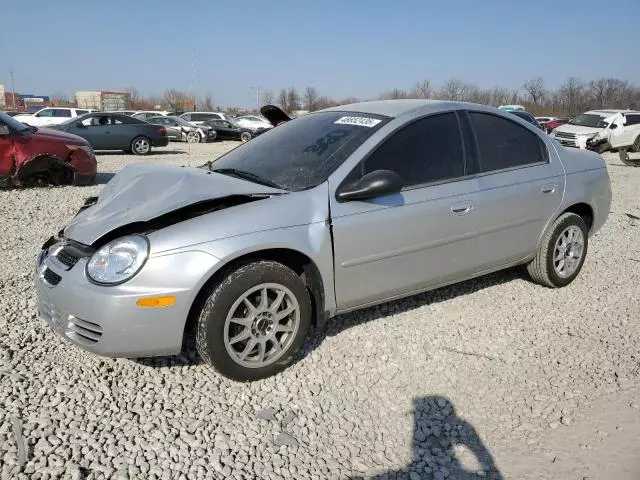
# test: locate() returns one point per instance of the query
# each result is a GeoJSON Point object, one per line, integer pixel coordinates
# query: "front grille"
{"type": "Point", "coordinates": [67, 258]}
{"type": "Point", "coordinates": [569, 136]}
{"type": "Point", "coordinates": [51, 277]}
{"type": "Point", "coordinates": [82, 331]}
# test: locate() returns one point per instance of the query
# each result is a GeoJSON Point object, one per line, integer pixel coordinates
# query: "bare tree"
{"type": "Point", "coordinates": [452, 90]}
{"type": "Point", "coordinates": [422, 89]}
{"type": "Point", "coordinates": [208, 103]}
{"type": "Point", "coordinates": [267, 97]}
{"type": "Point", "coordinates": [134, 97]}
{"type": "Point", "coordinates": [309, 98]}
{"type": "Point", "coordinates": [394, 94]}
{"type": "Point", "coordinates": [283, 99]}
{"type": "Point", "coordinates": [293, 100]}
{"type": "Point", "coordinates": [572, 95]}
{"type": "Point", "coordinates": [177, 100]}
{"type": "Point", "coordinates": [535, 89]}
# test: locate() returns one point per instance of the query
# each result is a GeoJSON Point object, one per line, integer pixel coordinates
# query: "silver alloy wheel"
{"type": "Point", "coordinates": [261, 325]}
{"type": "Point", "coordinates": [193, 137]}
{"type": "Point", "coordinates": [142, 145]}
{"type": "Point", "coordinates": [568, 251]}
{"type": "Point", "coordinates": [245, 136]}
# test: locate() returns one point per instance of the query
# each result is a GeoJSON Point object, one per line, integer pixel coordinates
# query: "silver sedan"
{"type": "Point", "coordinates": [330, 212]}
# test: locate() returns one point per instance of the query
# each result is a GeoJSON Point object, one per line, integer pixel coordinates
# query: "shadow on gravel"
{"type": "Point", "coordinates": [188, 357]}
{"type": "Point", "coordinates": [443, 446]}
{"type": "Point", "coordinates": [151, 154]}
{"type": "Point", "coordinates": [334, 326]}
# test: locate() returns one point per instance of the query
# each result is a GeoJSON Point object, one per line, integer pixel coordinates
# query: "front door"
{"type": "Point", "coordinates": [421, 237]}
{"type": "Point", "coordinates": [520, 187]}
{"type": "Point", "coordinates": [6, 155]}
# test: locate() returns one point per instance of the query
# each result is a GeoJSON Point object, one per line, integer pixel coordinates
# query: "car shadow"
{"type": "Point", "coordinates": [335, 326]}
{"type": "Point", "coordinates": [443, 445]}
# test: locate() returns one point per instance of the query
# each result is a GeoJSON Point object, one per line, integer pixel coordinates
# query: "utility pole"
{"type": "Point", "coordinates": [13, 89]}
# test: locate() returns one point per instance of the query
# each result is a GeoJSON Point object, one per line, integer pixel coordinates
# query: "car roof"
{"type": "Point", "coordinates": [611, 111]}
{"type": "Point", "coordinates": [391, 108]}
{"type": "Point", "coordinates": [217, 113]}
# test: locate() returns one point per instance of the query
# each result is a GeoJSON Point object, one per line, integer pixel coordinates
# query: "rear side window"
{"type": "Point", "coordinates": [62, 113]}
{"type": "Point", "coordinates": [632, 120]}
{"type": "Point", "coordinates": [428, 150]}
{"type": "Point", "coordinates": [505, 144]}
{"type": "Point", "coordinates": [81, 112]}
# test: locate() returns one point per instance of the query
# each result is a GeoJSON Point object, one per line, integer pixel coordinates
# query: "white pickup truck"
{"type": "Point", "coordinates": [618, 129]}
{"type": "Point", "coordinates": [51, 116]}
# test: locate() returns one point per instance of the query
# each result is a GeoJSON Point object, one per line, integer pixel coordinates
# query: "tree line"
{"type": "Point", "coordinates": [574, 96]}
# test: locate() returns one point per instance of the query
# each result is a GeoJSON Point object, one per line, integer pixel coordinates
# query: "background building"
{"type": "Point", "coordinates": [2, 102]}
{"type": "Point", "coordinates": [103, 100]}
{"type": "Point", "coordinates": [33, 103]}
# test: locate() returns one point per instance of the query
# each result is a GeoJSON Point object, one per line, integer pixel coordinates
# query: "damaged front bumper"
{"type": "Point", "coordinates": [107, 319]}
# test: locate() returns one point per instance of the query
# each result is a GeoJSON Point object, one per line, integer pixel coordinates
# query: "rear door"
{"type": "Point", "coordinates": [6, 157]}
{"type": "Point", "coordinates": [397, 244]}
{"type": "Point", "coordinates": [629, 132]}
{"type": "Point", "coordinates": [520, 187]}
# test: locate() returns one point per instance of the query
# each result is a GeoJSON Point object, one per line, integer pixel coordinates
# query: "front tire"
{"type": "Point", "coordinates": [245, 137]}
{"type": "Point", "coordinates": [141, 146]}
{"type": "Point", "coordinates": [562, 252]}
{"type": "Point", "coordinates": [193, 137]}
{"type": "Point", "coordinates": [255, 321]}
{"type": "Point", "coordinates": [636, 145]}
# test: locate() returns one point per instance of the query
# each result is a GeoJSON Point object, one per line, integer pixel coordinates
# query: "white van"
{"type": "Point", "coordinates": [620, 128]}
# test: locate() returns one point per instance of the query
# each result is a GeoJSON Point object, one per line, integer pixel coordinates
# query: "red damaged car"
{"type": "Point", "coordinates": [32, 156]}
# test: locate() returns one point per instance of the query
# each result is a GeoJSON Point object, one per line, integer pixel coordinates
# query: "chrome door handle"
{"type": "Point", "coordinates": [461, 208]}
{"type": "Point", "coordinates": [548, 189]}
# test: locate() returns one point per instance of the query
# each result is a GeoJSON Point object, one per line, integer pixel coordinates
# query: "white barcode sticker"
{"type": "Point", "coordinates": [359, 121]}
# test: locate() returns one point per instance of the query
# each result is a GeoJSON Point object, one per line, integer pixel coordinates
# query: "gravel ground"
{"type": "Point", "coordinates": [410, 389]}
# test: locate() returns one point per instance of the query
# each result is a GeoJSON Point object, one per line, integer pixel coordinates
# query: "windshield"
{"type": "Point", "coordinates": [588, 120]}
{"type": "Point", "coordinates": [13, 123]}
{"type": "Point", "coordinates": [183, 122]}
{"type": "Point", "coordinates": [302, 153]}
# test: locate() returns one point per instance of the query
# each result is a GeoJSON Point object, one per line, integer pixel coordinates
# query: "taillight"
{"type": "Point", "coordinates": [161, 130]}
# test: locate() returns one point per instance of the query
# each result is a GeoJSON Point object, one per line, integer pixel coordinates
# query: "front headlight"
{"type": "Point", "coordinates": [119, 260]}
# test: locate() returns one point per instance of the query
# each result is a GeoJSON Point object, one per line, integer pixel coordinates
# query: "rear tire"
{"type": "Point", "coordinates": [141, 146]}
{"type": "Point", "coordinates": [562, 252]}
{"type": "Point", "coordinates": [255, 321]}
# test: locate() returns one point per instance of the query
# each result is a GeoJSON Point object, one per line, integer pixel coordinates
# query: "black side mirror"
{"type": "Point", "coordinates": [613, 126]}
{"type": "Point", "coordinates": [374, 184]}
{"type": "Point", "coordinates": [4, 130]}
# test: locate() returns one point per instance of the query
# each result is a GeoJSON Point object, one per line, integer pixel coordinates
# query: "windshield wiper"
{"type": "Point", "coordinates": [234, 172]}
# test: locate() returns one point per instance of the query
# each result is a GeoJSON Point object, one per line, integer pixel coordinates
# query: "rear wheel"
{"type": "Point", "coordinates": [255, 321]}
{"type": "Point", "coordinates": [245, 136]}
{"type": "Point", "coordinates": [562, 252]}
{"type": "Point", "coordinates": [141, 146]}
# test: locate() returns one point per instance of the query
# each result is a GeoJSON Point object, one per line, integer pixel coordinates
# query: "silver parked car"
{"type": "Point", "coordinates": [329, 212]}
{"type": "Point", "coordinates": [179, 130]}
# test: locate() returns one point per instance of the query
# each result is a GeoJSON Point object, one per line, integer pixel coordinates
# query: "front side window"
{"type": "Point", "coordinates": [81, 112]}
{"type": "Point", "coordinates": [426, 151]}
{"type": "Point", "coordinates": [303, 152]}
{"type": "Point", "coordinates": [504, 144]}
{"type": "Point", "coordinates": [45, 113]}
{"type": "Point", "coordinates": [632, 120]}
{"type": "Point", "coordinates": [588, 120]}
{"type": "Point", "coordinates": [186, 116]}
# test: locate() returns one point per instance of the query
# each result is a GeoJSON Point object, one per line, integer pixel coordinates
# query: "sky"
{"type": "Point", "coordinates": [341, 47]}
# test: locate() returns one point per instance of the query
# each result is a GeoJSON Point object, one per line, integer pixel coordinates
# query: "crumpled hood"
{"type": "Point", "coordinates": [566, 128]}
{"type": "Point", "coordinates": [143, 192]}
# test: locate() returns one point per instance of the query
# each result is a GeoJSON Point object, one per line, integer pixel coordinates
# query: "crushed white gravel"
{"type": "Point", "coordinates": [410, 389]}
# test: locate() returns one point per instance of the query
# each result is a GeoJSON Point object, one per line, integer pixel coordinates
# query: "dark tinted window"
{"type": "Point", "coordinates": [632, 120]}
{"type": "Point", "coordinates": [45, 113]}
{"type": "Point", "coordinates": [58, 112]}
{"type": "Point", "coordinates": [428, 150]}
{"type": "Point", "coordinates": [81, 112]}
{"type": "Point", "coordinates": [186, 116]}
{"type": "Point", "coordinates": [504, 144]}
